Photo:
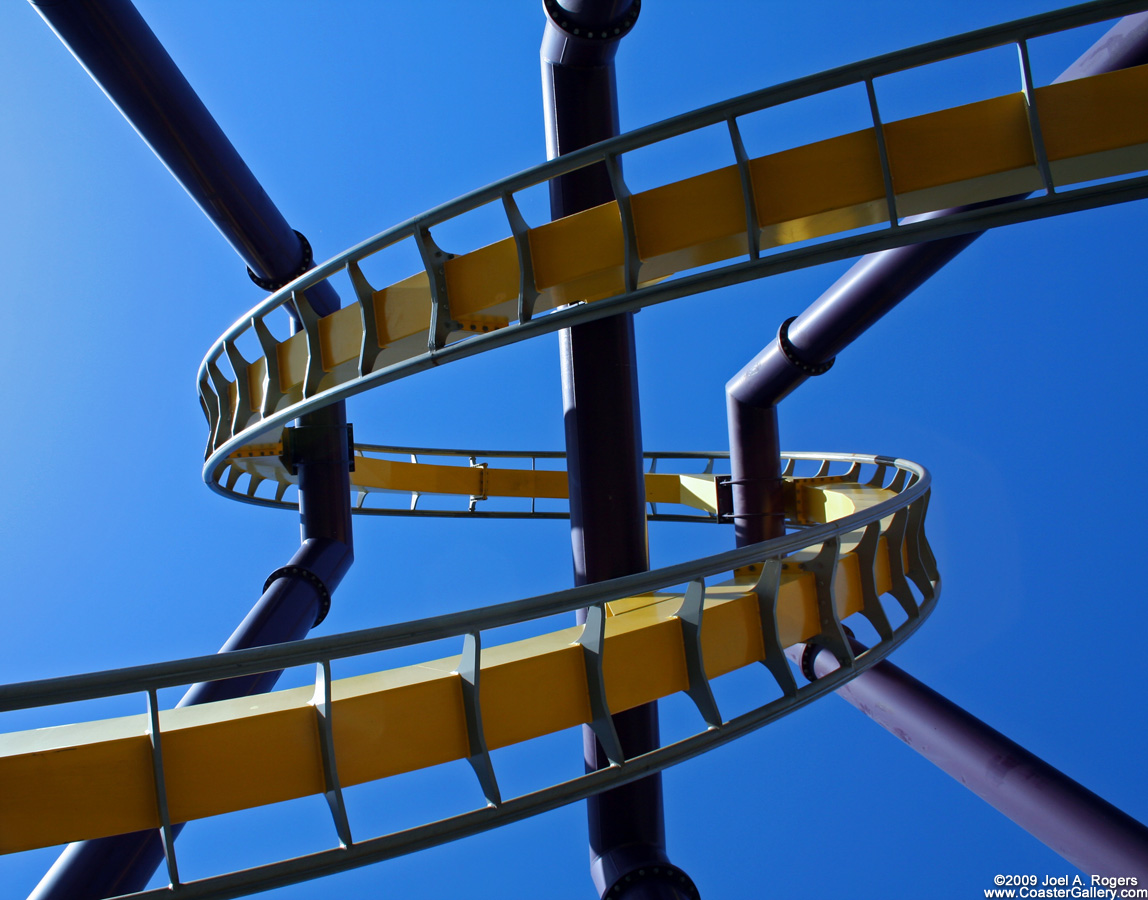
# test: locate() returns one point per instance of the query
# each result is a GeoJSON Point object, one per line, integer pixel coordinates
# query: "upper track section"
{"type": "Point", "coordinates": [755, 217]}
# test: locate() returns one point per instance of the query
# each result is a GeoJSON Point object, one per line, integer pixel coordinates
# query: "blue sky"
{"type": "Point", "coordinates": [1014, 376]}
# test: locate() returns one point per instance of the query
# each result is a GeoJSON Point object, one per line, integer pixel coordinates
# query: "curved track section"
{"type": "Point", "coordinates": [647, 636]}
{"type": "Point", "coordinates": [632, 253]}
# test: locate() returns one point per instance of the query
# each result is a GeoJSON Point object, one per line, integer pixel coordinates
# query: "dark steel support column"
{"type": "Point", "coordinates": [1085, 829]}
{"type": "Point", "coordinates": [114, 44]}
{"type": "Point", "coordinates": [755, 461]}
{"type": "Point", "coordinates": [110, 39]}
{"type": "Point", "coordinates": [603, 438]}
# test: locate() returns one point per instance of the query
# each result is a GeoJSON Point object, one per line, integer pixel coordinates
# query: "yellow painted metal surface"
{"type": "Point", "coordinates": [93, 779]}
{"type": "Point", "coordinates": [959, 145]}
{"type": "Point", "coordinates": [375, 474]}
{"type": "Point", "coordinates": [822, 188]}
{"type": "Point", "coordinates": [1094, 115]}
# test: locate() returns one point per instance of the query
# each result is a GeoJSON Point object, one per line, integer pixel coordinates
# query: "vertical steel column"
{"type": "Point", "coordinates": [603, 436]}
{"type": "Point", "coordinates": [114, 44]}
{"type": "Point", "coordinates": [1085, 829]}
{"type": "Point", "coordinates": [755, 467]}
{"type": "Point", "coordinates": [1082, 827]}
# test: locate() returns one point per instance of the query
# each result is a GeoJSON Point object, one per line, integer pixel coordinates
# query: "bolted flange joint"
{"type": "Point", "coordinates": [312, 443]}
{"type": "Point", "coordinates": [790, 353]}
{"type": "Point", "coordinates": [664, 873]}
{"type": "Point", "coordinates": [303, 574]}
{"type": "Point", "coordinates": [613, 30]}
{"type": "Point", "coordinates": [271, 285]}
{"type": "Point", "coordinates": [812, 648]}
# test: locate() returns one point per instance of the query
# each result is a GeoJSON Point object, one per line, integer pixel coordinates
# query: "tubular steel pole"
{"type": "Point", "coordinates": [603, 437]}
{"type": "Point", "coordinates": [1085, 829]}
{"type": "Point", "coordinates": [111, 40]}
{"type": "Point", "coordinates": [114, 44]}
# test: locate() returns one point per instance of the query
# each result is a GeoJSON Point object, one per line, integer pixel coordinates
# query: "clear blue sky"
{"type": "Point", "coordinates": [1015, 376]}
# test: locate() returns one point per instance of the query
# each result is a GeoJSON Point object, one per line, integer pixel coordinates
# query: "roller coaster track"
{"type": "Point", "coordinates": [623, 255]}
{"type": "Point", "coordinates": [640, 643]}
{"type": "Point", "coordinates": [855, 534]}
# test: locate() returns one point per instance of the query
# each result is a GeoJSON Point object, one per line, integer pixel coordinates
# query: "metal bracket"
{"type": "Point", "coordinates": [895, 541]}
{"type": "Point", "coordinates": [723, 489]}
{"type": "Point", "coordinates": [167, 833]}
{"type": "Point", "coordinates": [469, 671]}
{"type": "Point", "coordinates": [922, 569]}
{"type": "Point", "coordinates": [882, 155]}
{"type": "Point", "coordinates": [481, 495]}
{"type": "Point", "coordinates": [527, 289]}
{"type": "Point", "coordinates": [226, 412]}
{"type": "Point", "coordinates": [243, 412]}
{"type": "Point", "coordinates": [331, 787]}
{"type": "Point", "coordinates": [253, 484]}
{"type": "Point", "coordinates": [209, 400]}
{"type": "Point", "coordinates": [273, 389]}
{"type": "Point", "coordinates": [304, 444]}
{"type": "Point", "coordinates": [832, 634]}
{"type": "Point", "coordinates": [1038, 148]}
{"type": "Point", "coordinates": [309, 322]}
{"type": "Point", "coordinates": [690, 616]}
{"type": "Point", "coordinates": [752, 229]}
{"type": "Point", "coordinates": [434, 261]}
{"type": "Point", "coordinates": [593, 640]}
{"type": "Point", "coordinates": [866, 553]}
{"type": "Point", "coordinates": [653, 470]}
{"type": "Point", "coordinates": [631, 260]}
{"type": "Point", "coordinates": [767, 589]}
{"type": "Point", "coordinates": [370, 348]}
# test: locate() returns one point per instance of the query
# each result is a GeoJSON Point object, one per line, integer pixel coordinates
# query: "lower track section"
{"type": "Point", "coordinates": [647, 636]}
